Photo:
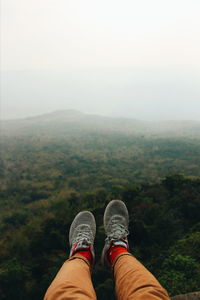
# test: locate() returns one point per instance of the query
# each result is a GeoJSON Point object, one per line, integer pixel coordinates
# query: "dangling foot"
{"type": "Point", "coordinates": [116, 220]}
{"type": "Point", "coordinates": [81, 235]}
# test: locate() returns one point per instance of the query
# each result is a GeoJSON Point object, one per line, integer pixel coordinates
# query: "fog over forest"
{"type": "Point", "coordinates": [139, 93]}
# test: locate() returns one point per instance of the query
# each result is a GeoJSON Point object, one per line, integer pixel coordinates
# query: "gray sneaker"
{"type": "Point", "coordinates": [82, 233]}
{"type": "Point", "coordinates": [116, 220]}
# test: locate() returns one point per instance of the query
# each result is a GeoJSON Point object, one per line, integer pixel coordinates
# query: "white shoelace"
{"type": "Point", "coordinates": [117, 231]}
{"type": "Point", "coordinates": [83, 237]}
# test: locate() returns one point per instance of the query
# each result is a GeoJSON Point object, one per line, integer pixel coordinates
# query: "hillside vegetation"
{"type": "Point", "coordinates": [55, 165]}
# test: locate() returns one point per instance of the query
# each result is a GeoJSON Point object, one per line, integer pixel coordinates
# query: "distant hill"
{"type": "Point", "coordinates": [68, 122]}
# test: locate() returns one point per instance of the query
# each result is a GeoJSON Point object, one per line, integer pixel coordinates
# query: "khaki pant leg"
{"type": "Point", "coordinates": [134, 282]}
{"type": "Point", "coordinates": [73, 281]}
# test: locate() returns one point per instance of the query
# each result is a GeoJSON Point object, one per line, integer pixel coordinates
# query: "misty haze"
{"type": "Point", "coordinates": [133, 59]}
{"type": "Point", "coordinates": [139, 93]}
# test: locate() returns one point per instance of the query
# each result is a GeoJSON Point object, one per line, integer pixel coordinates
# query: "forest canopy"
{"type": "Point", "coordinates": [50, 170]}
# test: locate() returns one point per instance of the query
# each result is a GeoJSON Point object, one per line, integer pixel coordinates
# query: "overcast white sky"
{"type": "Point", "coordinates": [132, 58]}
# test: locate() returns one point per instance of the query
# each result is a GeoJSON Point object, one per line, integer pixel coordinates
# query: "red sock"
{"type": "Point", "coordinates": [114, 251]}
{"type": "Point", "coordinates": [87, 254]}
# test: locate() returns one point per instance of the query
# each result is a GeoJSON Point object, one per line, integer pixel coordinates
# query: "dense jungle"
{"type": "Point", "coordinates": [55, 165]}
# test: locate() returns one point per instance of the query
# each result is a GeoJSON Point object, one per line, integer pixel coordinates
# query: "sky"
{"type": "Point", "coordinates": [127, 58]}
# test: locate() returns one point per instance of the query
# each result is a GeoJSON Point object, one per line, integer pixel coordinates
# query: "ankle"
{"type": "Point", "coordinates": [114, 252]}
{"type": "Point", "coordinates": [86, 253]}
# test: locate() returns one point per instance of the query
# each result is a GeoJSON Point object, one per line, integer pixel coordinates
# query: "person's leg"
{"type": "Point", "coordinates": [73, 281]}
{"type": "Point", "coordinates": [132, 280]}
